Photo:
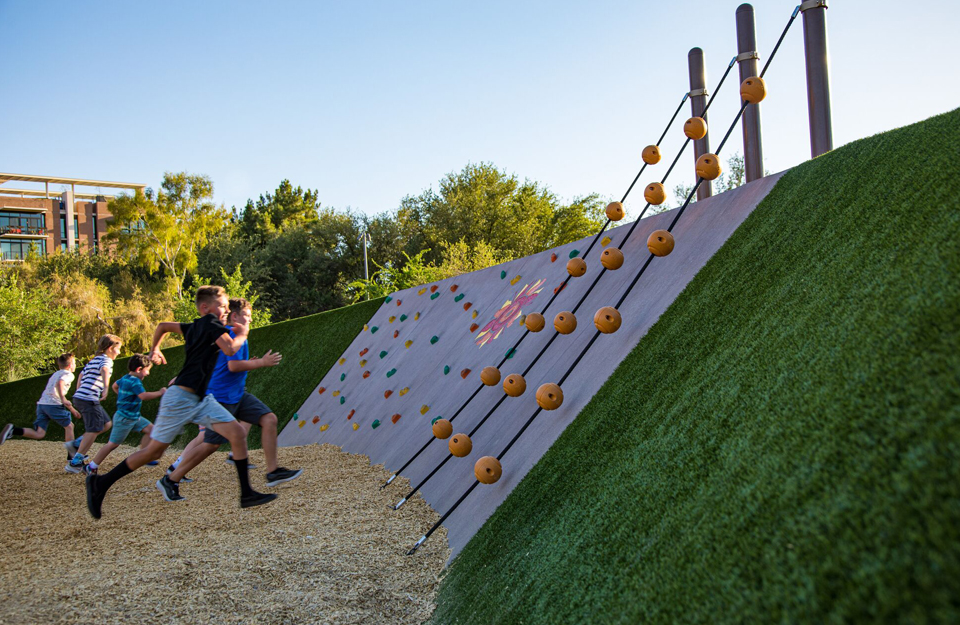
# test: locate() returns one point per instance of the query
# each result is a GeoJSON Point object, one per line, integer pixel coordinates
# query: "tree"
{"type": "Point", "coordinates": [287, 206]}
{"type": "Point", "coordinates": [185, 310]}
{"type": "Point", "coordinates": [389, 279]}
{"type": "Point", "coordinates": [167, 231]}
{"type": "Point", "coordinates": [34, 329]}
{"type": "Point", "coordinates": [732, 177]}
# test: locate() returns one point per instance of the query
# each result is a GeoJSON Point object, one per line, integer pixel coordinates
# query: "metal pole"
{"type": "Point", "coordinates": [698, 101]}
{"type": "Point", "coordinates": [366, 271]}
{"type": "Point", "coordinates": [818, 75]}
{"type": "Point", "coordinates": [747, 58]}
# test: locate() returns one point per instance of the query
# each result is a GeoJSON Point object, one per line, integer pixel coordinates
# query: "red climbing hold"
{"type": "Point", "coordinates": [553, 258]}
{"type": "Point", "coordinates": [453, 288]}
{"type": "Point", "coordinates": [321, 390]}
{"type": "Point", "coordinates": [473, 327]}
{"type": "Point", "coordinates": [559, 288]}
{"type": "Point", "coordinates": [467, 306]}
{"type": "Point", "coordinates": [352, 412]}
{"type": "Point", "coordinates": [396, 333]}
{"type": "Point", "coordinates": [387, 394]}
{"type": "Point", "coordinates": [433, 289]}
{"type": "Point", "coordinates": [464, 373]}
{"type": "Point", "coordinates": [398, 302]}
{"type": "Point", "coordinates": [395, 418]}
{"type": "Point", "coordinates": [365, 350]}
{"type": "Point", "coordinates": [316, 420]}
{"type": "Point", "coordinates": [366, 374]}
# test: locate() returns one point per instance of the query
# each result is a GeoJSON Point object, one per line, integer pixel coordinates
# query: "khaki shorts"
{"type": "Point", "coordinates": [179, 407]}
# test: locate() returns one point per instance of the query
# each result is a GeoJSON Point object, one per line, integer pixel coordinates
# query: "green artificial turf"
{"type": "Point", "coordinates": [784, 444]}
{"type": "Point", "coordinates": [309, 345]}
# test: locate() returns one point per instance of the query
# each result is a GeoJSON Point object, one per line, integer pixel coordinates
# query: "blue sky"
{"type": "Point", "coordinates": [369, 102]}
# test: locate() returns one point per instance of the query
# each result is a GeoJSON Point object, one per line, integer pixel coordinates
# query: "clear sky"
{"type": "Point", "coordinates": [372, 101]}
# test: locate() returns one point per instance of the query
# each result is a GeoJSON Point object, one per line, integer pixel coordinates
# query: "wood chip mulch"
{"type": "Point", "coordinates": [328, 550]}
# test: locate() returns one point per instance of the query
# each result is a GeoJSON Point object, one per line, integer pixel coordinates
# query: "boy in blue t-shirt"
{"type": "Point", "coordinates": [127, 418]}
{"type": "Point", "coordinates": [228, 387]}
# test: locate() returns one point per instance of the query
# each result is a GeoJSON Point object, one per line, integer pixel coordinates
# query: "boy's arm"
{"type": "Point", "coordinates": [148, 395]}
{"type": "Point", "coordinates": [105, 375]}
{"type": "Point", "coordinates": [116, 389]}
{"type": "Point", "coordinates": [62, 393]}
{"type": "Point", "coordinates": [163, 328]}
{"type": "Point", "coordinates": [231, 346]}
{"type": "Point", "coordinates": [270, 359]}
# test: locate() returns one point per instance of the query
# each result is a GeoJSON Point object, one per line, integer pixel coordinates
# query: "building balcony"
{"type": "Point", "coordinates": [22, 232]}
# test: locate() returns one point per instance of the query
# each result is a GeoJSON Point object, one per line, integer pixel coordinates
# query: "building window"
{"type": "Point", "coordinates": [76, 229]}
{"type": "Point", "coordinates": [17, 249]}
{"type": "Point", "coordinates": [23, 223]}
{"type": "Point", "coordinates": [63, 229]}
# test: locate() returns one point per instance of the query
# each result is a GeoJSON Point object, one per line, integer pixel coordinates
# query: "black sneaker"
{"type": "Point", "coordinates": [6, 433]}
{"type": "Point", "coordinates": [282, 475]}
{"type": "Point", "coordinates": [183, 480]}
{"type": "Point", "coordinates": [170, 490]}
{"type": "Point", "coordinates": [94, 496]}
{"type": "Point", "coordinates": [256, 499]}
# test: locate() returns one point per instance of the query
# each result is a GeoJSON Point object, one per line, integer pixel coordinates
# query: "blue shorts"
{"type": "Point", "coordinates": [123, 426]}
{"type": "Point", "coordinates": [179, 407]}
{"type": "Point", "coordinates": [51, 412]}
{"type": "Point", "coordinates": [249, 409]}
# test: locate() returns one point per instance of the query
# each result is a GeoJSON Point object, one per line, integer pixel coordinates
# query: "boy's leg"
{"type": "Point", "coordinates": [30, 433]}
{"type": "Point", "coordinates": [95, 422]}
{"type": "Point", "coordinates": [268, 440]}
{"type": "Point", "coordinates": [146, 435]}
{"type": "Point", "coordinates": [102, 454]}
{"type": "Point", "coordinates": [197, 455]}
{"type": "Point", "coordinates": [197, 440]}
{"type": "Point", "coordinates": [97, 486]}
{"type": "Point", "coordinates": [252, 410]}
{"type": "Point", "coordinates": [223, 423]}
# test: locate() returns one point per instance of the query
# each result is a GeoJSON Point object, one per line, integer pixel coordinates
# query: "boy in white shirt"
{"type": "Point", "coordinates": [52, 406]}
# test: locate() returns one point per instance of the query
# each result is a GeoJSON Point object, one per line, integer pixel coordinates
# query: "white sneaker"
{"type": "Point", "coordinates": [72, 447]}
{"type": "Point", "coordinates": [6, 433]}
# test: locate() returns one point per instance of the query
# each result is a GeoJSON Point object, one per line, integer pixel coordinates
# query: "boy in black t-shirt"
{"type": "Point", "coordinates": [186, 401]}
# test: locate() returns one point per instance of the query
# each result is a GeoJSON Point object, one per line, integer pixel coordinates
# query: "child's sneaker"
{"type": "Point", "coordinates": [6, 433]}
{"type": "Point", "coordinates": [76, 464]}
{"type": "Point", "coordinates": [183, 480]}
{"type": "Point", "coordinates": [229, 460]}
{"type": "Point", "coordinates": [94, 497]}
{"type": "Point", "coordinates": [153, 463]}
{"type": "Point", "coordinates": [72, 447]}
{"type": "Point", "coordinates": [170, 490]}
{"type": "Point", "coordinates": [89, 470]}
{"type": "Point", "coordinates": [282, 475]}
{"type": "Point", "coordinates": [256, 499]}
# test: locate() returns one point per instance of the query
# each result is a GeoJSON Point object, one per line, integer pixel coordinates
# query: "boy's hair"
{"type": "Point", "coordinates": [106, 342]}
{"type": "Point", "coordinates": [208, 294]}
{"type": "Point", "coordinates": [238, 305]}
{"type": "Point", "coordinates": [64, 359]}
{"type": "Point", "coordinates": [139, 361]}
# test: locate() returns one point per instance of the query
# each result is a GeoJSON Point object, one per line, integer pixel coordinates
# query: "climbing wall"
{"type": "Point", "coordinates": [419, 357]}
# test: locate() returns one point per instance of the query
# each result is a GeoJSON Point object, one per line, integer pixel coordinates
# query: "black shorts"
{"type": "Point", "coordinates": [249, 409]}
{"type": "Point", "coordinates": [95, 418]}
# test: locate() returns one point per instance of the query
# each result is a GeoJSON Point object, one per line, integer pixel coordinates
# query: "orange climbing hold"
{"type": "Point", "coordinates": [514, 385]}
{"type": "Point", "coordinates": [553, 258]}
{"type": "Point", "coordinates": [321, 390]}
{"type": "Point", "coordinates": [611, 258]}
{"type": "Point", "coordinates": [352, 412]}
{"type": "Point", "coordinates": [534, 322]}
{"type": "Point", "coordinates": [387, 394]}
{"type": "Point", "coordinates": [453, 288]}
{"type": "Point", "coordinates": [565, 322]}
{"type": "Point", "coordinates": [708, 166]}
{"type": "Point", "coordinates": [753, 90]}
{"type": "Point", "coordinates": [366, 374]}
{"type": "Point", "coordinates": [695, 128]}
{"type": "Point", "coordinates": [490, 376]}
{"type": "Point", "coordinates": [442, 429]}
{"type": "Point", "coordinates": [364, 351]}
{"type": "Point", "coordinates": [467, 306]}
{"type": "Point", "coordinates": [473, 327]}
{"type": "Point", "coordinates": [651, 155]}
{"type": "Point", "coordinates": [660, 243]}
{"type": "Point", "coordinates": [395, 418]}
{"type": "Point", "coordinates": [396, 333]}
{"type": "Point", "coordinates": [549, 396]}
{"type": "Point", "coordinates": [460, 445]}
{"type": "Point", "coordinates": [607, 320]}
{"type": "Point", "coordinates": [655, 194]}
{"type": "Point", "coordinates": [316, 420]}
{"type": "Point", "coordinates": [433, 289]}
{"type": "Point", "coordinates": [488, 470]}
{"type": "Point", "coordinates": [614, 211]}
{"type": "Point", "coordinates": [398, 302]}
{"type": "Point", "coordinates": [576, 267]}
{"type": "Point", "coordinates": [464, 373]}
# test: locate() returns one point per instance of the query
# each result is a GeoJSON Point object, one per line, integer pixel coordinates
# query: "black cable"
{"type": "Point", "coordinates": [646, 264]}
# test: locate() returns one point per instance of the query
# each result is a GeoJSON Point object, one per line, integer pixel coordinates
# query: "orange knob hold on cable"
{"type": "Point", "coordinates": [442, 429]}
{"type": "Point", "coordinates": [655, 194]}
{"type": "Point", "coordinates": [753, 89]}
{"type": "Point", "coordinates": [695, 128]}
{"type": "Point", "coordinates": [576, 267]}
{"type": "Point", "coordinates": [614, 211]}
{"type": "Point", "coordinates": [549, 396]}
{"type": "Point", "coordinates": [488, 470]}
{"type": "Point", "coordinates": [611, 258]}
{"type": "Point", "coordinates": [514, 385]}
{"type": "Point", "coordinates": [651, 154]}
{"type": "Point", "coordinates": [565, 322]}
{"type": "Point", "coordinates": [607, 320]}
{"type": "Point", "coordinates": [534, 322]}
{"type": "Point", "coordinates": [460, 445]}
{"type": "Point", "coordinates": [708, 166]}
{"type": "Point", "coordinates": [490, 376]}
{"type": "Point", "coordinates": [660, 243]}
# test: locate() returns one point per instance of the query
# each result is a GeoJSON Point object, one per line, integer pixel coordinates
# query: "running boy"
{"type": "Point", "coordinates": [228, 386]}
{"type": "Point", "coordinates": [92, 388]}
{"type": "Point", "coordinates": [187, 400]}
{"type": "Point", "coordinates": [52, 406]}
{"type": "Point", "coordinates": [127, 418]}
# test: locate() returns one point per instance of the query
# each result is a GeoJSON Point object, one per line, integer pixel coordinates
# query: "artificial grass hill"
{"type": "Point", "coordinates": [309, 345]}
{"type": "Point", "coordinates": [784, 444]}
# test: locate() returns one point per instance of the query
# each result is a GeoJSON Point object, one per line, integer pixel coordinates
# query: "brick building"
{"type": "Point", "coordinates": [68, 220]}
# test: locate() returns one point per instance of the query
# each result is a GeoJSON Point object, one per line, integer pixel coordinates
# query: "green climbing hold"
{"type": "Point", "coordinates": [574, 253]}
{"type": "Point", "coordinates": [387, 301]}
{"type": "Point", "coordinates": [343, 376]}
{"type": "Point", "coordinates": [383, 353]}
{"type": "Point", "coordinates": [503, 274]}
{"type": "Point", "coordinates": [511, 353]}
{"type": "Point", "coordinates": [434, 340]}
{"type": "Point", "coordinates": [375, 424]}
{"type": "Point", "coordinates": [458, 298]}
{"type": "Point", "coordinates": [403, 317]}
{"type": "Point", "coordinates": [391, 372]}
{"type": "Point", "coordinates": [374, 329]}
{"type": "Point", "coordinates": [343, 400]}
{"type": "Point", "coordinates": [435, 295]}
{"type": "Point", "coordinates": [295, 416]}
{"type": "Point", "coordinates": [446, 369]}
{"type": "Point", "coordinates": [435, 420]}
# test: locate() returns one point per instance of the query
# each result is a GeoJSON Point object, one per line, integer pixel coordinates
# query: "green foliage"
{"type": "Point", "coordinates": [287, 206]}
{"type": "Point", "coordinates": [310, 346]}
{"type": "Point", "coordinates": [459, 258]}
{"type": "Point", "coordinates": [185, 309]}
{"type": "Point", "coordinates": [166, 232]}
{"type": "Point", "coordinates": [34, 329]}
{"type": "Point", "coordinates": [782, 445]}
{"type": "Point", "coordinates": [388, 279]}
{"type": "Point", "coordinates": [731, 177]}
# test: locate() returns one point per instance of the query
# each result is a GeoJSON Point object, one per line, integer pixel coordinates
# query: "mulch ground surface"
{"type": "Point", "coordinates": [328, 550]}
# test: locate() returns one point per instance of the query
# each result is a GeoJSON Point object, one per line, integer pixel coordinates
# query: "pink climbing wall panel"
{"type": "Point", "coordinates": [420, 356]}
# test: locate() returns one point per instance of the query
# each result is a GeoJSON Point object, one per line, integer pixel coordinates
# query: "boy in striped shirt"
{"type": "Point", "coordinates": [92, 388]}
